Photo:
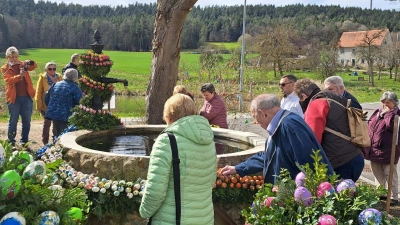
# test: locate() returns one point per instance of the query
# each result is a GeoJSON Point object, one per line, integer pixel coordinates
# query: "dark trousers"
{"type": "Point", "coordinates": [60, 126]}
{"type": "Point", "coordinates": [22, 107]}
{"type": "Point", "coordinates": [352, 169]}
{"type": "Point", "coordinates": [46, 131]}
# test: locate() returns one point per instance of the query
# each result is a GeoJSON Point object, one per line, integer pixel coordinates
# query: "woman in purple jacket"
{"type": "Point", "coordinates": [380, 129]}
{"type": "Point", "coordinates": [214, 109]}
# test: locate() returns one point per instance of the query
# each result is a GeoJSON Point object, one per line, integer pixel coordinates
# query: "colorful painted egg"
{"type": "Point", "coordinates": [327, 219]}
{"type": "Point", "coordinates": [370, 216]}
{"type": "Point", "coordinates": [2, 156]}
{"type": "Point", "coordinates": [24, 159]}
{"type": "Point", "coordinates": [268, 201]}
{"type": "Point", "coordinates": [347, 184]}
{"type": "Point", "coordinates": [323, 188]}
{"type": "Point", "coordinates": [35, 171]}
{"type": "Point", "coordinates": [10, 183]}
{"type": "Point", "coordinates": [49, 218]}
{"type": "Point", "coordinates": [51, 178]}
{"type": "Point", "coordinates": [300, 179]}
{"type": "Point", "coordinates": [75, 214]}
{"type": "Point", "coordinates": [13, 218]}
{"type": "Point", "coordinates": [303, 195]}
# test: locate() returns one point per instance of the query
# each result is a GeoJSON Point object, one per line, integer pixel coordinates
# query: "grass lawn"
{"type": "Point", "coordinates": [224, 45]}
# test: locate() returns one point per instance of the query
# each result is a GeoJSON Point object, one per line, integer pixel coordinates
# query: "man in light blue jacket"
{"type": "Point", "coordinates": [291, 141]}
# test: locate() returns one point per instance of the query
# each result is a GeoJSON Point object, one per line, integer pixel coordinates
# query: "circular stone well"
{"type": "Point", "coordinates": [131, 167]}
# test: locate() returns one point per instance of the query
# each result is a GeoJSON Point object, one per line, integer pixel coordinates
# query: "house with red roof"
{"type": "Point", "coordinates": [350, 41]}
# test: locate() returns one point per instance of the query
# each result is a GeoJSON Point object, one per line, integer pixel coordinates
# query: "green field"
{"type": "Point", "coordinates": [135, 67]}
{"type": "Point", "coordinates": [224, 45]}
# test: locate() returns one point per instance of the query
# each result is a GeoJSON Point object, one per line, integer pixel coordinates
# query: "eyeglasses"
{"type": "Point", "coordinates": [284, 84]}
{"type": "Point", "coordinates": [54, 69]}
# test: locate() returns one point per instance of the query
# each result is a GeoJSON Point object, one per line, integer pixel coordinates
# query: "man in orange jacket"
{"type": "Point", "coordinates": [19, 93]}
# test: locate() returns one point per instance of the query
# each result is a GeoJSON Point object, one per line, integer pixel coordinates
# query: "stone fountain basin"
{"type": "Point", "coordinates": [131, 167]}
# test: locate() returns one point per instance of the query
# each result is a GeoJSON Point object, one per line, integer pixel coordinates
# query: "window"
{"type": "Point", "coordinates": [341, 51]}
{"type": "Point", "coordinates": [353, 50]}
{"type": "Point", "coordinates": [342, 61]}
{"type": "Point", "coordinates": [362, 61]}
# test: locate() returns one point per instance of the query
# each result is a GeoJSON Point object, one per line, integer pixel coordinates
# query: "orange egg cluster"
{"type": "Point", "coordinates": [235, 181]}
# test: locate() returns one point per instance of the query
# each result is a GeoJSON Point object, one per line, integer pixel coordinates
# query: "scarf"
{"type": "Point", "coordinates": [51, 80]}
{"type": "Point", "coordinates": [304, 104]}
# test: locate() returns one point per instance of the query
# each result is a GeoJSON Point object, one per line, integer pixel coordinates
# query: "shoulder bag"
{"type": "Point", "coordinates": [177, 181]}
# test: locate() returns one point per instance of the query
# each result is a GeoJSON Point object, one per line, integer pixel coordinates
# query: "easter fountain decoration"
{"type": "Point", "coordinates": [97, 88]}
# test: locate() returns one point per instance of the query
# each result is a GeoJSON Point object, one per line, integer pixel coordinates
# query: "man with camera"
{"type": "Point", "coordinates": [19, 93]}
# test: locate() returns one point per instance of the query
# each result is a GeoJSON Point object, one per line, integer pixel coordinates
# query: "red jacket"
{"type": "Point", "coordinates": [322, 113]}
{"type": "Point", "coordinates": [11, 79]}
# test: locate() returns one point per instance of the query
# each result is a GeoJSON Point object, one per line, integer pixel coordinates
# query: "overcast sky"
{"type": "Point", "coordinates": [381, 4]}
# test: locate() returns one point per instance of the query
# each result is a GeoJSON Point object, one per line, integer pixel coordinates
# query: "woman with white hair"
{"type": "Point", "coordinates": [380, 129]}
{"type": "Point", "coordinates": [46, 79]}
{"type": "Point", "coordinates": [61, 98]}
{"type": "Point", "coordinates": [19, 93]}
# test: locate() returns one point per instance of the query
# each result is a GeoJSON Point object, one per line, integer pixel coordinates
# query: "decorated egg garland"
{"type": "Point", "coordinates": [98, 90]}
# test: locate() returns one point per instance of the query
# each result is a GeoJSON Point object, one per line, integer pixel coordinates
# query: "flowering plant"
{"type": "Point", "coordinates": [313, 199]}
{"type": "Point", "coordinates": [97, 65]}
{"type": "Point", "coordinates": [91, 87]}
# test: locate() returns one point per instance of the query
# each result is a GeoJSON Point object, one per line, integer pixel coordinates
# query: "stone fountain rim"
{"type": "Point", "coordinates": [70, 139]}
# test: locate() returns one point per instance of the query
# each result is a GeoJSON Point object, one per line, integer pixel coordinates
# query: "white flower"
{"type": "Point", "coordinates": [103, 190]}
{"type": "Point", "coordinates": [114, 187]}
{"type": "Point", "coordinates": [116, 193]}
{"type": "Point", "coordinates": [135, 192]}
{"type": "Point", "coordinates": [95, 189]}
{"type": "Point", "coordinates": [128, 190]}
{"type": "Point", "coordinates": [130, 195]}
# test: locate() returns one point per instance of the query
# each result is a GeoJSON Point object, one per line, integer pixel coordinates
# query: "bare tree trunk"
{"type": "Point", "coordinates": [169, 20]}
{"type": "Point", "coordinates": [371, 72]}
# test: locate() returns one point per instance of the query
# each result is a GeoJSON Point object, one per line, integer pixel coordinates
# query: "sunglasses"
{"type": "Point", "coordinates": [284, 84]}
{"type": "Point", "coordinates": [54, 69]}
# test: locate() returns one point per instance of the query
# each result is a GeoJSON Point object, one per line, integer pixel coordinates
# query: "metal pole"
{"type": "Point", "coordinates": [242, 58]}
{"type": "Point", "coordinates": [370, 5]}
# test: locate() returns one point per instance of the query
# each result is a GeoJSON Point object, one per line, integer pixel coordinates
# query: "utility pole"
{"type": "Point", "coordinates": [370, 5]}
{"type": "Point", "coordinates": [242, 58]}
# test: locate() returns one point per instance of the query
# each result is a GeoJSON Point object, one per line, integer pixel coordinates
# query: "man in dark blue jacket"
{"type": "Point", "coordinates": [290, 142]}
{"type": "Point", "coordinates": [335, 84]}
{"type": "Point", "coordinates": [73, 64]}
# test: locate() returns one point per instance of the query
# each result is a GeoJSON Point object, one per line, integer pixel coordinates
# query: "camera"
{"type": "Point", "coordinates": [28, 63]}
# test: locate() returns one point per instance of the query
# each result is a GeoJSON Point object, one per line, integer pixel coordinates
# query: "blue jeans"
{"type": "Point", "coordinates": [352, 169]}
{"type": "Point", "coordinates": [23, 106]}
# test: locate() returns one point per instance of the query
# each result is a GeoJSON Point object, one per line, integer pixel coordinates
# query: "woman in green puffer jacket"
{"type": "Point", "coordinates": [196, 150]}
